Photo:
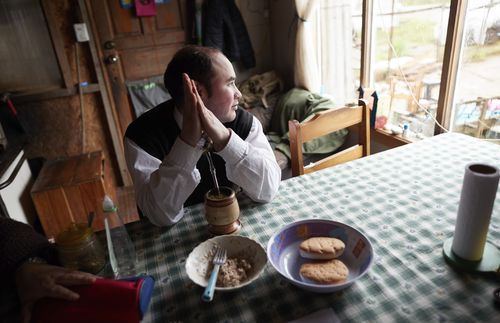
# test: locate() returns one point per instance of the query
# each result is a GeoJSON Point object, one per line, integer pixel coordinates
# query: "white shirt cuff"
{"type": "Point", "coordinates": [183, 155]}
{"type": "Point", "coordinates": [235, 150]}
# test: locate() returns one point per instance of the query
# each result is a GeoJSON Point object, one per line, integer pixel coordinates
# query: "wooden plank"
{"type": "Point", "coordinates": [365, 129]}
{"type": "Point", "coordinates": [75, 203]}
{"type": "Point", "coordinates": [343, 156]}
{"type": "Point", "coordinates": [92, 195]}
{"type": "Point", "coordinates": [109, 108]}
{"type": "Point", "coordinates": [54, 173]}
{"type": "Point", "coordinates": [53, 211]}
{"type": "Point", "coordinates": [43, 206]}
{"type": "Point", "coordinates": [57, 41]}
{"type": "Point", "coordinates": [147, 25]}
{"type": "Point", "coordinates": [451, 60]}
{"type": "Point", "coordinates": [88, 168]}
{"type": "Point", "coordinates": [150, 40]}
{"type": "Point", "coordinates": [67, 190]}
{"type": "Point", "coordinates": [387, 139]}
{"type": "Point", "coordinates": [341, 119]}
{"type": "Point", "coordinates": [126, 22]}
{"type": "Point", "coordinates": [127, 205]}
{"type": "Point", "coordinates": [168, 16]}
{"type": "Point", "coordinates": [143, 63]}
{"type": "Point", "coordinates": [367, 55]}
{"type": "Point", "coordinates": [53, 93]}
{"type": "Point", "coordinates": [295, 135]}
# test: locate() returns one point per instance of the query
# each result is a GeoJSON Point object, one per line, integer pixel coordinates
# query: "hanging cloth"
{"type": "Point", "coordinates": [146, 94]}
{"type": "Point", "coordinates": [224, 28]}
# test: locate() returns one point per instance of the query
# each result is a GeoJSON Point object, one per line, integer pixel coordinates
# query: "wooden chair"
{"type": "Point", "coordinates": [399, 92]}
{"type": "Point", "coordinates": [326, 122]}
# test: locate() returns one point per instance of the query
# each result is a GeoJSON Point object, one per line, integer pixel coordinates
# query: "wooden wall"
{"type": "Point", "coordinates": [54, 125]}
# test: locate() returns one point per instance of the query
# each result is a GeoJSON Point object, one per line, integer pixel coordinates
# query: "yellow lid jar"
{"type": "Point", "coordinates": [79, 249]}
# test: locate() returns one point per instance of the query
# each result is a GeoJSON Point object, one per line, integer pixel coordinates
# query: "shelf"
{"type": "Point", "coordinates": [389, 139]}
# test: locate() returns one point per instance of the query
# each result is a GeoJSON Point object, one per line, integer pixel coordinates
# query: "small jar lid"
{"type": "Point", "coordinates": [221, 193]}
{"type": "Point", "coordinates": [75, 234]}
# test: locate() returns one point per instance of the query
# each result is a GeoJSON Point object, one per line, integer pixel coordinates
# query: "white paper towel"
{"type": "Point", "coordinates": [474, 211]}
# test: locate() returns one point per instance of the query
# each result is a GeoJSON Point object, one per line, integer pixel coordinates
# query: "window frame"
{"type": "Point", "coordinates": [67, 87]}
{"type": "Point", "coordinates": [57, 43]}
{"type": "Point", "coordinates": [451, 58]}
{"type": "Point", "coordinates": [451, 63]}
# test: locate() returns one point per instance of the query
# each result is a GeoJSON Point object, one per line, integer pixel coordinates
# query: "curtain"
{"type": "Point", "coordinates": [336, 54]}
{"type": "Point", "coordinates": [306, 75]}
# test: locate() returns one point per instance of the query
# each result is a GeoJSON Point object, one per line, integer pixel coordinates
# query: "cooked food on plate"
{"type": "Point", "coordinates": [233, 272]}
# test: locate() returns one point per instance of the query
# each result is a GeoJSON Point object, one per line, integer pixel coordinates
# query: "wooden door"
{"type": "Point", "coordinates": [133, 48]}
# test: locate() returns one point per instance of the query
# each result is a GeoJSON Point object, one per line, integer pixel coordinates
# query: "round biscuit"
{"type": "Point", "coordinates": [321, 248]}
{"type": "Point", "coordinates": [326, 272]}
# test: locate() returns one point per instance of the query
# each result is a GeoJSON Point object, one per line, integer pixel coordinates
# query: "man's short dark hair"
{"type": "Point", "coordinates": [195, 61]}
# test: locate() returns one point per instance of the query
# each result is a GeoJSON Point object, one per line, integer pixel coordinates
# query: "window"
{"type": "Point", "coordinates": [339, 53]}
{"type": "Point", "coordinates": [476, 104]}
{"type": "Point", "coordinates": [32, 61]}
{"type": "Point", "coordinates": [410, 52]}
{"type": "Point", "coordinates": [408, 49]}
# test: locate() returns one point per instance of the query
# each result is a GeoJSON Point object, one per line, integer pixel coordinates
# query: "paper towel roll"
{"type": "Point", "coordinates": [474, 211]}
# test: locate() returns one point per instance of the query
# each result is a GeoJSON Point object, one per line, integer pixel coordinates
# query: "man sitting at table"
{"type": "Point", "coordinates": [164, 146]}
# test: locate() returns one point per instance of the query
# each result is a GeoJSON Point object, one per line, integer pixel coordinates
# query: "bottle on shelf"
{"type": "Point", "coordinates": [406, 130]}
{"type": "Point", "coordinates": [121, 250]}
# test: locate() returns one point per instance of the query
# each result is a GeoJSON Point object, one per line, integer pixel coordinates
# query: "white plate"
{"type": "Point", "coordinates": [198, 263]}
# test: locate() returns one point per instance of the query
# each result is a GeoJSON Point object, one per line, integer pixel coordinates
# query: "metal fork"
{"type": "Point", "coordinates": [219, 259]}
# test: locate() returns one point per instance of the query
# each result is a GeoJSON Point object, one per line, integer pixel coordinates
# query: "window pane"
{"type": "Point", "coordinates": [476, 109]}
{"type": "Point", "coordinates": [26, 54]}
{"type": "Point", "coordinates": [409, 47]}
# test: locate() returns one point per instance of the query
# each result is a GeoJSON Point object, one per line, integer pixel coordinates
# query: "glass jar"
{"type": "Point", "coordinates": [79, 249]}
{"type": "Point", "coordinates": [222, 211]}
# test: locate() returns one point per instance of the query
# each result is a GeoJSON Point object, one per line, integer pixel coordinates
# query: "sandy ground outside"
{"type": "Point", "coordinates": [479, 79]}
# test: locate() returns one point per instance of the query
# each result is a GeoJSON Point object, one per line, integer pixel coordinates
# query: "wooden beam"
{"type": "Point", "coordinates": [109, 108]}
{"type": "Point", "coordinates": [366, 79]}
{"type": "Point", "coordinates": [54, 93]}
{"type": "Point", "coordinates": [57, 42]}
{"type": "Point", "coordinates": [451, 60]}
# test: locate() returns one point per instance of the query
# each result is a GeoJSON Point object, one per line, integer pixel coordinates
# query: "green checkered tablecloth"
{"type": "Point", "coordinates": [405, 200]}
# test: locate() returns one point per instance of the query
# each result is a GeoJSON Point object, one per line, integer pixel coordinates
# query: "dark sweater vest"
{"type": "Point", "coordinates": [156, 131]}
{"type": "Point", "coordinates": [18, 242]}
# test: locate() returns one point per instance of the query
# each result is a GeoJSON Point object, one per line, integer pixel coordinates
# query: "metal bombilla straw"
{"type": "Point", "coordinates": [208, 147]}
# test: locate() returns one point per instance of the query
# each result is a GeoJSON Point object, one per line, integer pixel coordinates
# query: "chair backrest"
{"type": "Point", "coordinates": [398, 91]}
{"type": "Point", "coordinates": [323, 123]}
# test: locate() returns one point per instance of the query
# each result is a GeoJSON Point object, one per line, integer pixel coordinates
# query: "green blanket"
{"type": "Point", "coordinates": [302, 105]}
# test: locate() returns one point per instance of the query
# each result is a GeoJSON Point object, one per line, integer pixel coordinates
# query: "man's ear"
{"type": "Point", "coordinates": [201, 90]}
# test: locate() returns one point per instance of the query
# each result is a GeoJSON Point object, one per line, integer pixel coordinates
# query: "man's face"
{"type": "Point", "coordinates": [224, 98]}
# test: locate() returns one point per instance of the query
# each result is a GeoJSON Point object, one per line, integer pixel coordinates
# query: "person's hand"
{"type": "Point", "coordinates": [35, 281]}
{"type": "Point", "coordinates": [191, 126]}
{"type": "Point", "coordinates": [212, 126]}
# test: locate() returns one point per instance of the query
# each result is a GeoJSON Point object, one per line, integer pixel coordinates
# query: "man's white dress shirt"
{"type": "Point", "coordinates": [162, 187]}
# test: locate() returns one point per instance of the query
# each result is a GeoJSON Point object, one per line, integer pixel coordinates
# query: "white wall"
{"type": "Point", "coordinates": [256, 16]}
{"type": "Point", "coordinates": [283, 29]}
{"type": "Point", "coordinates": [268, 24]}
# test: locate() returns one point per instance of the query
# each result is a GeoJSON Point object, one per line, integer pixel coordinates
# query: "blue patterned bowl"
{"type": "Point", "coordinates": [283, 251]}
